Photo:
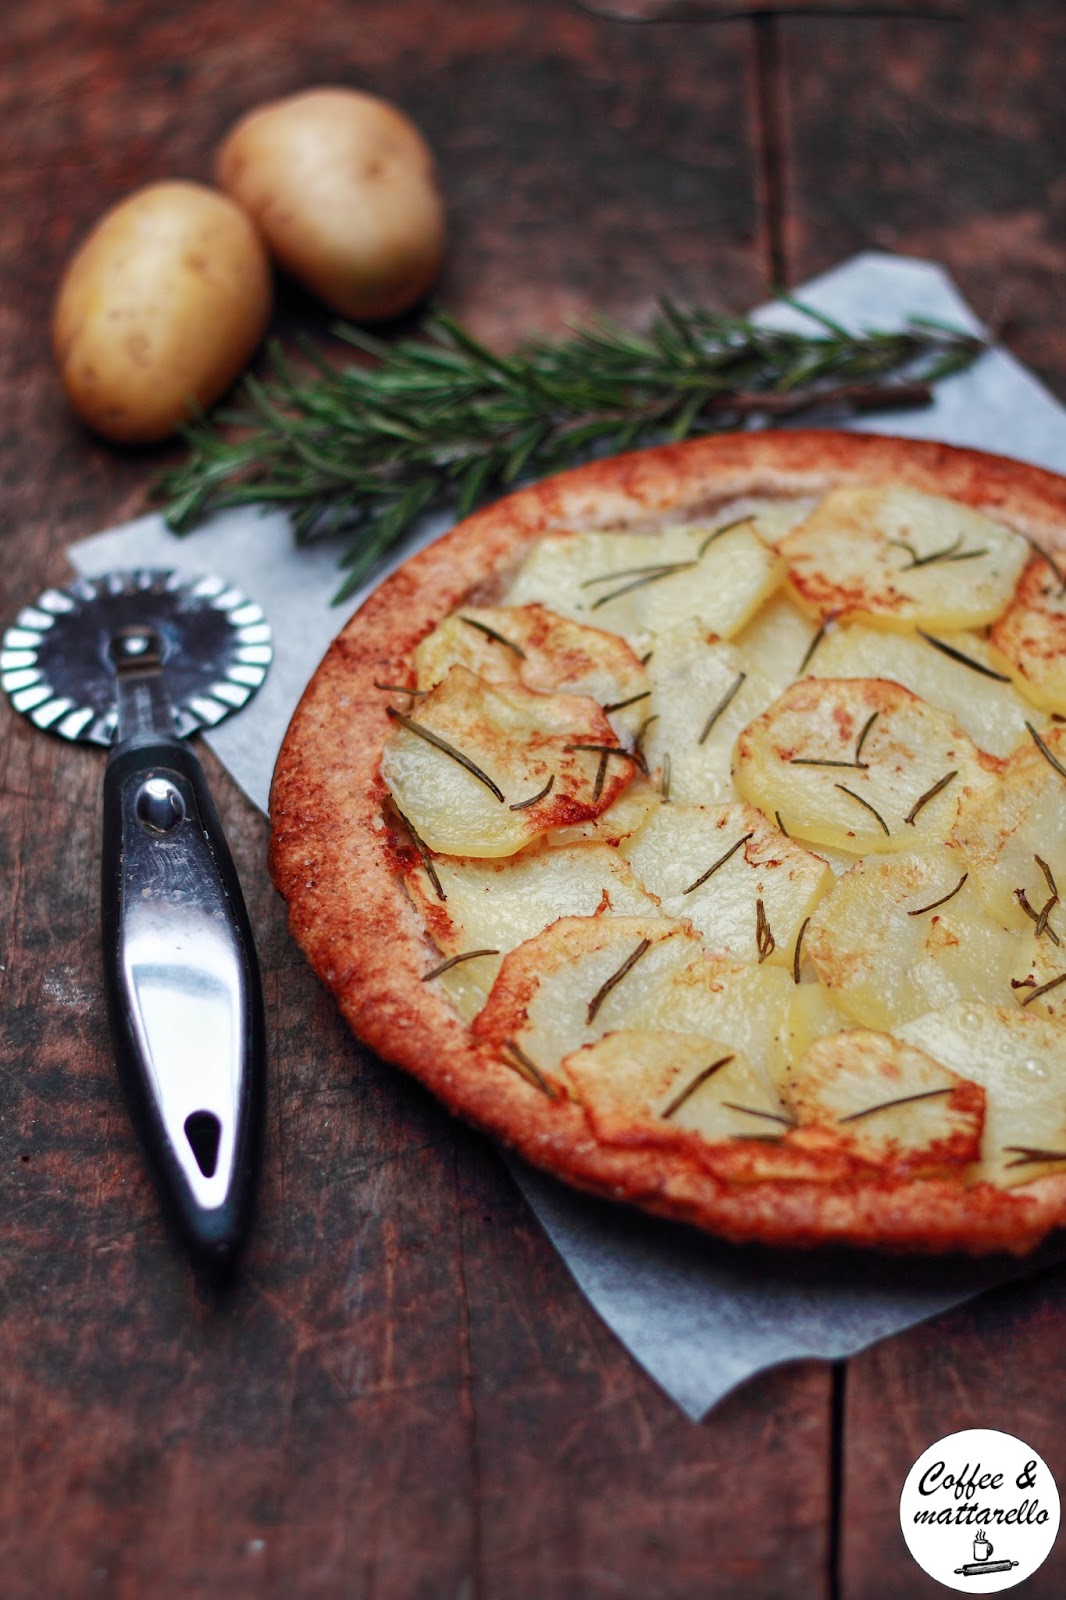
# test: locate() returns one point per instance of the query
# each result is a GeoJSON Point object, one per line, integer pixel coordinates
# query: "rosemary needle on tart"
{"type": "Point", "coordinates": [695, 823]}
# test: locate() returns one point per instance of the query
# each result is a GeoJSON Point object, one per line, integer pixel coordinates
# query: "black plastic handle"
{"type": "Point", "coordinates": [183, 991]}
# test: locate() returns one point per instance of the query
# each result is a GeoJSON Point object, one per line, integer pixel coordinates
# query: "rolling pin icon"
{"type": "Point", "coordinates": [982, 1549]}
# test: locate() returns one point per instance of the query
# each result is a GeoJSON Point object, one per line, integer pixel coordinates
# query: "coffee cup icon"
{"type": "Point", "coordinates": [982, 1547]}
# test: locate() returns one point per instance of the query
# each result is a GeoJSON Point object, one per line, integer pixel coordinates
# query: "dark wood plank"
{"type": "Point", "coordinates": [940, 140]}
{"type": "Point", "coordinates": [404, 1395]}
{"type": "Point", "coordinates": [937, 139]}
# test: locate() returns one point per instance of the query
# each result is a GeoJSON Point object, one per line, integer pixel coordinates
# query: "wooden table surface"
{"type": "Point", "coordinates": [405, 1395]}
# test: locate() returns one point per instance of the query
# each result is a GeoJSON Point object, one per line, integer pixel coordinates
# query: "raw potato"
{"type": "Point", "coordinates": [520, 742]}
{"type": "Point", "coordinates": [899, 559]}
{"type": "Point", "coordinates": [845, 761]}
{"type": "Point", "coordinates": [343, 188]}
{"type": "Point", "coordinates": [160, 310]}
{"type": "Point", "coordinates": [888, 1102]}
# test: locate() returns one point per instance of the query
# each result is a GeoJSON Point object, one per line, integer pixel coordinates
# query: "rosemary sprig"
{"type": "Point", "coordinates": [439, 421]}
{"type": "Point", "coordinates": [1045, 988]}
{"type": "Point", "coordinates": [653, 575]}
{"type": "Point", "coordinates": [826, 761]}
{"type": "Point", "coordinates": [797, 959]}
{"type": "Point", "coordinates": [752, 1111]}
{"type": "Point", "coordinates": [948, 552]}
{"type": "Point", "coordinates": [1039, 917]}
{"type": "Point", "coordinates": [399, 688]}
{"type": "Point", "coordinates": [634, 699]}
{"type": "Point", "coordinates": [423, 854]}
{"type": "Point", "coordinates": [422, 732]}
{"type": "Point", "coordinates": [716, 533]}
{"type": "Point", "coordinates": [781, 826]}
{"type": "Point", "coordinates": [808, 654]}
{"type": "Point", "coordinates": [697, 1083]}
{"type": "Point", "coordinates": [664, 788]}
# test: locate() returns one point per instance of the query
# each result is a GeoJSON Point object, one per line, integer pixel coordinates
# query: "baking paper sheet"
{"type": "Point", "coordinates": [698, 1315]}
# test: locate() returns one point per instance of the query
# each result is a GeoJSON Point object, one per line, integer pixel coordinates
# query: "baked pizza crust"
{"type": "Point", "coordinates": [336, 860]}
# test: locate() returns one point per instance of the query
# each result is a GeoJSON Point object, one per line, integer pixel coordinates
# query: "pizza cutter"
{"type": "Point", "coordinates": [138, 661]}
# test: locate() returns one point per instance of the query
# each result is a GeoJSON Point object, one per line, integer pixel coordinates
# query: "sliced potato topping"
{"type": "Point", "coordinates": [901, 560]}
{"type": "Point", "coordinates": [535, 647]}
{"type": "Point", "coordinates": [993, 713]}
{"type": "Point", "coordinates": [1029, 639]}
{"type": "Point", "coordinates": [812, 1015]}
{"type": "Point", "coordinates": [637, 1081]}
{"type": "Point", "coordinates": [703, 693]}
{"type": "Point", "coordinates": [904, 934]}
{"type": "Point", "coordinates": [519, 742]}
{"type": "Point", "coordinates": [1020, 1061]}
{"type": "Point", "coordinates": [622, 817]}
{"type": "Point", "coordinates": [1007, 833]}
{"type": "Point", "coordinates": [582, 978]}
{"type": "Point", "coordinates": [855, 763]}
{"type": "Point", "coordinates": [717, 865]}
{"type": "Point", "coordinates": [496, 904]}
{"type": "Point", "coordinates": [776, 642]}
{"type": "Point", "coordinates": [640, 584]}
{"type": "Point", "coordinates": [889, 1102]}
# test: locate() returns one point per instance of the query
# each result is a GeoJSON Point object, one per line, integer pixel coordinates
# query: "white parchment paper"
{"type": "Point", "coordinates": [700, 1316]}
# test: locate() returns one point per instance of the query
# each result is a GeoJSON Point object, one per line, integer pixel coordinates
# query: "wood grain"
{"type": "Point", "coordinates": [404, 1394]}
{"type": "Point", "coordinates": [945, 143]}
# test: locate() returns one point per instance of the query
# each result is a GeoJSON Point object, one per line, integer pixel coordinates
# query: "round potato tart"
{"type": "Point", "coordinates": [693, 822]}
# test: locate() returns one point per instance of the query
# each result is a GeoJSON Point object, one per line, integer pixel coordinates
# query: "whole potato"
{"type": "Point", "coordinates": [159, 310]}
{"type": "Point", "coordinates": [343, 187]}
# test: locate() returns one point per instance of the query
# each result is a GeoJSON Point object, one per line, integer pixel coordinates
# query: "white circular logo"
{"type": "Point", "coordinates": [979, 1511]}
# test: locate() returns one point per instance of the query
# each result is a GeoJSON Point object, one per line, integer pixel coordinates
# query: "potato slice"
{"type": "Point", "coordinates": [496, 904]}
{"type": "Point", "coordinates": [518, 740]}
{"type": "Point", "coordinates": [1029, 639]}
{"type": "Point", "coordinates": [1006, 833]}
{"type": "Point", "coordinates": [703, 693]}
{"type": "Point", "coordinates": [688, 857]}
{"type": "Point", "coordinates": [776, 642]}
{"type": "Point", "coordinates": [991, 712]}
{"type": "Point", "coordinates": [622, 817]}
{"type": "Point", "coordinates": [812, 1015]}
{"type": "Point", "coordinates": [1020, 1061]}
{"type": "Point", "coordinates": [582, 978]}
{"type": "Point", "coordinates": [905, 934]}
{"type": "Point", "coordinates": [641, 584]}
{"type": "Point", "coordinates": [634, 1083]}
{"type": "Point", "coordinates": [900, 559]}
{"type": "Point", "coordinates": [888, 1102]}
{"type": "Point", "coordinates": [847, 762]}
{"type": "Point", "coordinates": [544, 651]}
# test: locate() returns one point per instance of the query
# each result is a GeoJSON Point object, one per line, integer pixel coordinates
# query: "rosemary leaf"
{"type": "Point", "coordinates": [958, 655]}
{"type": "Point", "coordinates": [616, 977]}
{"type": "Point", "coordinates": [528, 1069]}
{"type": "Point", "coordinates": [497, 638]}
{"type": "Point", "coordinates": [1048, 877]}
{"type": "Point", "coordinates": [524, 805]}
{"type": "Point", "coordinates": [796, 956]}
{"type": "Point", "coordinates": [697, 1083]}
{"type": "Point", "coordinates": [930, 794]}
{"type": "Point", "coordinates": [1045, 752]}
{"type": "Point", "coordinates": [716, 534]}
{"type": "Point", "coordinates": [866, 804]}
{"type": "Point", "coordinates": [723, 705]}
{"type": "Point", "coordinates": [752, 1111]}
{"type": "Point", "coordinates": [733, 848]}
{"type": "Point", "coordinates": [634, 699]}
{"type": "Point", "coordinates": [808, 654]}
{"type": "Point", "coordinates": [445, 748]}
{"type": "Point", "coordinates": [440, 421]}
{"type": "Point", "coordinates": [944, 898]}
{"type": "Point", "coordinates": [887, 1105]}
{"type": "Point", "coordinates": [1045, 988]}
{"type": "Point", "coordinates": [423, 855]}
{"type": "Point", "coordinates": [453, 961]}
{"type": "Point", "coordinates": [765, 942]}
{"type": "Point", "coordinates": [1039, 917]}
{"type": "Point", "coordinates": [1029, 1156]}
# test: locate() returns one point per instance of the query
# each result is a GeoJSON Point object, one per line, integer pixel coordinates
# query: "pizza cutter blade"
{"type": "Point", "coordinates": [138, 661]}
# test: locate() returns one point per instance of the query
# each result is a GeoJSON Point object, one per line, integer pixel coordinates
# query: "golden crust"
{"type": "Point", "coordinates": [334, 860]}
